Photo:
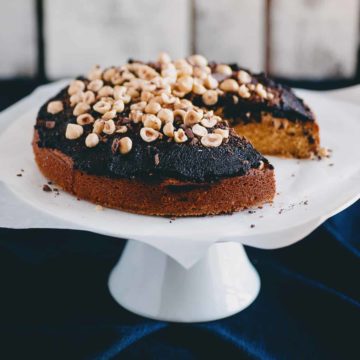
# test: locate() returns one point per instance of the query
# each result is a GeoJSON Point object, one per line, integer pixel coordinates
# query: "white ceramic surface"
{"type": "Point", "coordinates": [149, 283]}
{"type": "Point", "coordinates": [308, 193]}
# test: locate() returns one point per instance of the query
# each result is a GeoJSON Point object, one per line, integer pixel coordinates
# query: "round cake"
{"type": "Point", "coordinates": [147, 138]}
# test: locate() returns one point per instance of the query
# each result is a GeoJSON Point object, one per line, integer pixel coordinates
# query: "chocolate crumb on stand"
{"type": "Point", "coordinates": [46, 188]}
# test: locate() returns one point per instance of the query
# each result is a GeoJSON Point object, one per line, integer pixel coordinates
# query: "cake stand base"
{"type": "Point", "coordinates": [149, 283]}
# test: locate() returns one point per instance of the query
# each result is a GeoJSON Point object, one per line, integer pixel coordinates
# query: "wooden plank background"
{"type": "Point", "coordinates": [17, 38]}
{"type": "Point", "coordinates": [295, 39]}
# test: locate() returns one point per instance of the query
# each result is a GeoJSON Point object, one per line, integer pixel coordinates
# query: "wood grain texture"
{"type": "Point", "coordinates": [107, 32]}
{"type": "Point", "coordinates": [231, 31]}
{"type": "Point", "coordinates": [314, 38]}
{"type": "Point", "coordinates": [17, 38]}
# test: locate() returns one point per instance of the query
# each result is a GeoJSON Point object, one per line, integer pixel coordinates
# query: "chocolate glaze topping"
{"type": "Point", "coordinates": [161, 159]}
{"type": "Point", "coordinates": [188, 161]}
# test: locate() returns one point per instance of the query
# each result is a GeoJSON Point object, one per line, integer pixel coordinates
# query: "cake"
{"type": "Point", "coordinates": [154, 139]}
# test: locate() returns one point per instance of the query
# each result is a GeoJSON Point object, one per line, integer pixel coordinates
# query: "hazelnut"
{"type": "Point", "coordinates": [95, 73]}
{"type": "Point", "coordinates": [164, 58]}
{"type": "Point", "coordinates": [223, 132]}
{"type": "Point", "coordinates": [81, 108]}
{"type": "Point", "coordinates": [244, 91]}
{"type": "Point", "coordinates": [85, 119]}
{"type": "Point", "coordinates": [136, 116]}
{"type": "Point", "coordinates": [146, 96]}
{"type": "Point", "coordinates": [223, 69]}
{"type": "Point", "coordinates": [211, 140]}
{"type": "Point", "coordinates": [109, 115]}
{"type": "Point", "coordinates": [76, 86]}
{"type": "Point", "coordinates": [108, 100]}
{"type": "Point", "coordinates": [138, 106]}
{"type": "Point", "coordinates": [198, 89]}
{"type": "Point", "coordinates": [180, 63]}
{"type": "Point", "coordinates": [179, 115]}
{"type": "Point", "coordinates": [229, 85]}
{"type": "Point", "coordinates": [200, 73]}
{"type": "Point", "coordinates": [210, 122]}
{"type": "Point", "coordinates": [152, 107]}
{"type": "Point", "coordinates": [210, 97]}
{"type": "Point", "coordinates": [73, 131]}
{"type": "Point", "coordinates": [166, 115]}
{"type": "Point", "coordinates": [210, 82]}
{"type": "Point", "coordinates": [127, 75]}
{"type": "Point", "coordinates": [185, 83]}
{"type": "Point", "coordinates": [92, 140]}
{"type": "Point", "coordinates": [98, 126]}
{"type": "Point", "coordinates": [167, 99]}
{"type": "Point", "coordinates": [76, 98]}
{"type": "Point", "coordinates": [95, 85]}
{"type": "Point", "coordinates": [125, 145]}
{"type": "Point", "coordinates": [55, 107]}
{"type": "Point", "coordinates": [199, 130]}
{"type": "Point", "coordinates": [102, 106]}
{"type": "Point", "coordinates": [183, 104]}
{"type": "Point", "coordinates": [109, 127]}
{"type": "Point", "coordinates": [89, 97]}
{"type": "Point", "coordinates": [178, 93]}
{"type": "Point", "coordinates": [119, 92]}
{"type": "Point", "coordinates": [151, 121]}
{"type": "Point", "coordinates": [197, 60]}
{"type": "Point", "coordinates": [121, 129]}
{"type": "Point", "coordinates": [149, 134]}
{"type": "Point", "coordinates": [117, 79]}
{"type": "Point", "coordinates": [244, 77]}
{"type": "Point", "coordinates": [168, 129]}
{"type": "Point", "coordinates": [183, 68]}
{"type": "Point", "coordinates": [261, 91]}
{"type": "Point", "coordinates": [118, 106]}
{"type": "Point", "coordinates": [192, 117]}
{"type": "Point", "coordinates": [105, 91]}
{"type": "Point", "coordinates": [180, 136]}
{"type": "Point", "coordinates": [170, 74]}
{"type": "Point", "coordinates": [109, 73]}
{"type": "Point", "coordinates": [146, 72]}
{"type": "Point", "coordinates": [133, 93]}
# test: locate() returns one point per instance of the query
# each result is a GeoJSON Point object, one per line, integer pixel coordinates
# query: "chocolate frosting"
{"type": "Point", "coordinates": [161, 159]}
{"type": "Point", "coordinates": [157, 160]}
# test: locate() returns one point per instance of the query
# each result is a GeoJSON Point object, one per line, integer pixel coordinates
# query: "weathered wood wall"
{"type": "Point", "coordinates": [289, 38]}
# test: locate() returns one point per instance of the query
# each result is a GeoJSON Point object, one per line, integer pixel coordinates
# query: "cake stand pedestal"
{"type": "Point", "coordinates": [152, 284]}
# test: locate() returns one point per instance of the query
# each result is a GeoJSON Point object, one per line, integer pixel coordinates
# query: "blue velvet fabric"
{"type": "Point", "coordinates": [55, 303]}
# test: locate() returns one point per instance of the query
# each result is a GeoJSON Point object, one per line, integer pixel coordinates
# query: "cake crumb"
{"type": "Point", "coordinates": [99, 208]}
{"type": "Point", "coordinates": [157, 159]}
{"type": "Point", "coordinates": [252, 225]}
{"type": "Point", "coordinates": [331, 164]}
{"type": "Point", "coordinates": [46, 188]}
{"type": "Point", "coordinates": [19, 175]}
{"type": "Point", "coordinates": [251, 211]}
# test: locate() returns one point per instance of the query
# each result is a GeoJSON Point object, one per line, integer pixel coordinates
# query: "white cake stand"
{"type": "Point", "coordinates": [192, 269]}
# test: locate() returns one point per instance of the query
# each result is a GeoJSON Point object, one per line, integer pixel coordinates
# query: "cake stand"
{"type": "Point", "coordinates": [190, 269]}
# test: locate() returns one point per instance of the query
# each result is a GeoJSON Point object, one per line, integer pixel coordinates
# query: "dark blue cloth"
{"type": "Point", "coordinates": [55, 303]}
